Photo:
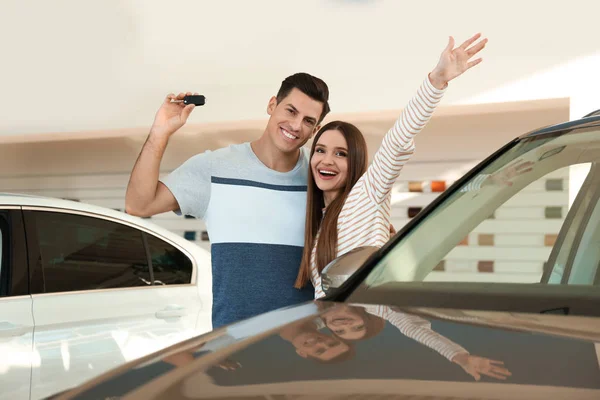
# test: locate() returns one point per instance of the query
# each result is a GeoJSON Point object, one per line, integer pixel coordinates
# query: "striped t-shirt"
{"type": "Point", "coordinates": [365, 216]}
{"type": "Point", "coordinates": [418, 329]}
{"type": "Point", "coordinates": [255, 219]}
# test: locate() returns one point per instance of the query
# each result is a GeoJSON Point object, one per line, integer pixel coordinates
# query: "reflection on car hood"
{"type": "Point", "coordinates": [332, 350]}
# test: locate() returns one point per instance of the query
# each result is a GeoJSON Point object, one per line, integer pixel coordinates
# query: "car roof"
{"type": "Point", "coordinates": [593, 120]}
{"type": "Point", "coordinates": [26, 200]}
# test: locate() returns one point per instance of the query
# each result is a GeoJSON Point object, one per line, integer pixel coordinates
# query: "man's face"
{"type": "Point", "coordinates": [293, 121]}
{"type": "Point", "coordinates": [318, 345]}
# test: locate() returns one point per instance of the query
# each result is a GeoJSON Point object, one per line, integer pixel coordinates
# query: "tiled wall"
{"type": "Point", "coordinates": [512, 244]}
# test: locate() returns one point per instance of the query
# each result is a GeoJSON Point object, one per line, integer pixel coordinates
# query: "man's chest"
{"type": "Point", "coordinates": [251, 212]}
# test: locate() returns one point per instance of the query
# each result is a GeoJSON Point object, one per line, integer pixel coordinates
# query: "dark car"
{"type": "Point", "coordinates": [439, 312]}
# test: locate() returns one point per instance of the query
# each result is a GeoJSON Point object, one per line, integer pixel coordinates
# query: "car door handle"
{"type": "Point", "coordinates": [170, 312]}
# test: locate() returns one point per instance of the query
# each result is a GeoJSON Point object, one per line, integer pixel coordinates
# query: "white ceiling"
{"type": "Point", "coordinates": [80, 65]}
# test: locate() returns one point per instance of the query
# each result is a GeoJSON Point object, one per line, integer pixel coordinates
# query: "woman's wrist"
{"type": "Point", "coordinates": [438, 81]}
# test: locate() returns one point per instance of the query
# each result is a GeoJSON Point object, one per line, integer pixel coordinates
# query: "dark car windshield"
{"type": "Point", "coordinates": [530, 216]}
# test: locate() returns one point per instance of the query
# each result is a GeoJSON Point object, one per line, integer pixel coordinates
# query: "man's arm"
{"type": "Point", "coordinates": [145, 195]}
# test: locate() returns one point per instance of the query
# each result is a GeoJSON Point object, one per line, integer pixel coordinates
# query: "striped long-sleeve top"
{"type": "Point", "coordinates": [418, 329]}
{"type": "Point", "coordinates": [365, 217]}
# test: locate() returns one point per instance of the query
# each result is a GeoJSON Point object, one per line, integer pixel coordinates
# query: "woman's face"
{"type": "Point", "coordinates": [329, 162]}
{"type": "Point", "coordinates": [346, 324]}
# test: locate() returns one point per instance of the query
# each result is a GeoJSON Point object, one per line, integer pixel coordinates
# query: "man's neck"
{"type": "Point", "coordinates": [272, 157]}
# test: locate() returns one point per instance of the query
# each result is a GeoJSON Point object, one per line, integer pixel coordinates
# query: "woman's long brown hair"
{"type": "Point", "coordinates": [327, 245]}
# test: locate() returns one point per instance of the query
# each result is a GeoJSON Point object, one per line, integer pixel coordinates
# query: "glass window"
{"type": "Point", "coordinates": [4, 253]}
{"type": "Point", "coordinates": [529, 190]}
{"type": "Point", "coordinates": [3, 235]}
{"type": "Point", "coordinates": [85, 253]}
{"type": "Point", "coordinates": [169, 265]}
{"type": "Point", "coordinates": [579, 256]}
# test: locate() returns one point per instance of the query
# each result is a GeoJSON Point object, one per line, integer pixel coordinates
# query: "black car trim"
{"type": "Point", "coordinates": [14, 279]}
{"type": "Point", "coordinates": [592, 114]}
{"type": "Point", "coordinates": [536, 298]}
{"type": "Point", "coordinates": [585, 122]}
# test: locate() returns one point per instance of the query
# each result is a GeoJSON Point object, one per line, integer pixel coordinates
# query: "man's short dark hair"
{"type": "Point", "coordinates": [310, 85]}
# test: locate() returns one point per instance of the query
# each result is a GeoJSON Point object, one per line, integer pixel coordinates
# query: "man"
{"type": "Point", "coordinates": [252, 197]}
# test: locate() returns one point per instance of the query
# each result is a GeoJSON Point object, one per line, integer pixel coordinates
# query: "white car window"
{"type": "Point", "coordinates": [1, 261]}
{"type": "Point", "coordinates": [3, 251]}
{"type": "Point", "coordinates": [170, 266]}
{"type": "Point", "coordinates": [85, 253]}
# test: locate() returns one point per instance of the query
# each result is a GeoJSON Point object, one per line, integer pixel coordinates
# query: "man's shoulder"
{"type": "Point", "coordinates": [229, 153]}
{"type": "Point", "coordinates": [238, 149]}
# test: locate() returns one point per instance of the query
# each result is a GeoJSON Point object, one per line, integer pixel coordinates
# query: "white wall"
{"type": "Point", "coordinates": [73, 66]}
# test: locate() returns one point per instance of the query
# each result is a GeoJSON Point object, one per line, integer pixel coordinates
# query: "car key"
{"type": "Point", "coordinates": [196, 99]}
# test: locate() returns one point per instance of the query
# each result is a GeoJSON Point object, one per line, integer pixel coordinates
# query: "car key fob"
{"type": "Point", "coordinates": [195, 99]}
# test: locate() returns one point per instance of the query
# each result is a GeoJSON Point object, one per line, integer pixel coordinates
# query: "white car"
{"type": "Point", "coordinates": [84, 289]}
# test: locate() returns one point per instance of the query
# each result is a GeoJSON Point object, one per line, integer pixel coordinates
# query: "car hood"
{"type": "Point", "coordinates": [334, 350]}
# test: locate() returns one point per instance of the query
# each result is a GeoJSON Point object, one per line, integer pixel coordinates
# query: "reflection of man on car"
{"type": "Point", "coordinates": [359, 323]}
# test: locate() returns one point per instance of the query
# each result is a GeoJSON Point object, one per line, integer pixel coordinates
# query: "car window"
{"type": "Point", "coordinates": [4, 254]}
{"type": "Point", "coordinates": [3, 235]}
{"type": "Point", "coordinates": [85, 253]}
{"type": "Point", "coordinates": [576, 259]}
{"type": "Point", "coordinates": [170, 266]}
{"type": "Point", "coordinates": [584, 270]}
{"type": "Point", "coordinates": [506, 223]}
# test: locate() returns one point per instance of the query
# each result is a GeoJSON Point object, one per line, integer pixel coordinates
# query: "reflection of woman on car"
{"type": "Point", "coordinates": [310, 343]}
{"type": "Point", "coordinates": [348, 205]}
{"type": "Point", "coordinates": [359, 323]}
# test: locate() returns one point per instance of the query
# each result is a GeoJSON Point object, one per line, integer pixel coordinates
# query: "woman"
{"type": "Point", "coordinates": [349, 205]}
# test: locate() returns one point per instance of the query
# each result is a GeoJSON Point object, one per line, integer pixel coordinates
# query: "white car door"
{"type": "Point", "coordinates": [16, 356]}
{"type": "Point", "coordinates": [94, 301]}
{"type": "Point", "coordinates": [16, 318]}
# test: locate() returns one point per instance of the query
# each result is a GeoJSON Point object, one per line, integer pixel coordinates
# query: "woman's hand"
{"type": "Point", "coordinates": [477, 366]}
{"type": "Point", "coordinates": [455, 61]}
